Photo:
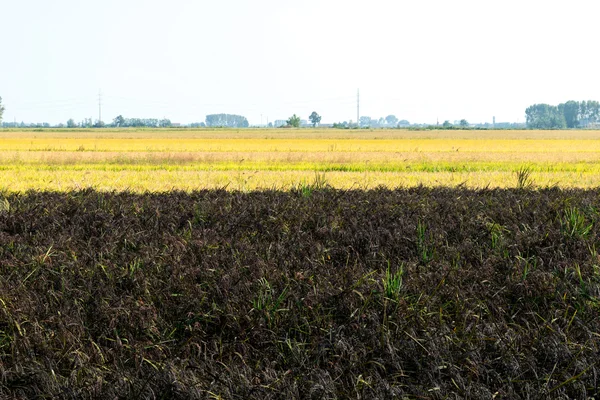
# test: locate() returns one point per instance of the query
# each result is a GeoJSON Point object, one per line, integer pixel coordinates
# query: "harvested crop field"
{"type": "Point", "coordinates": [313, 293]}
{"type": "Point", "coordinates": [161, 160]}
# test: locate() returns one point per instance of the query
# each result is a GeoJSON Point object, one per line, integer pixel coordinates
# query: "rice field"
{"type": "Point", "coordinates": [164, 160]}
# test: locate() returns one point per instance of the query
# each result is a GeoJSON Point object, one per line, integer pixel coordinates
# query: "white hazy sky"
{"type": "Point", "coordinates": [182, 59]}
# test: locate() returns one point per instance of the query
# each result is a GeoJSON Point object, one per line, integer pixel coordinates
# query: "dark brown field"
{"type": "Point", "coordinates": [310, 294]}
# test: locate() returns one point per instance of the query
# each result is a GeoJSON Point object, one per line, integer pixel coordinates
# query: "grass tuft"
{"type": "Point", "coordinates": [575, 224]}
{"type": "Point", "coordinates": [524, 180]}
{"type": "Point", "coordinates": [392, 283]}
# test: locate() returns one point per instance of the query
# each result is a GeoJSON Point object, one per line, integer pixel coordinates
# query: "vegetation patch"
{"type": "Point", "coordinates": [313, 293]}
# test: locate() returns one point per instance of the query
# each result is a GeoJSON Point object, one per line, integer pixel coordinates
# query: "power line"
{"type": "Point", "coordinates": [52, 102]}
{"type": "Point", "coordinates": [51, 105]}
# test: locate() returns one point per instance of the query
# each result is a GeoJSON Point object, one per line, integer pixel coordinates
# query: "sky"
{"type": "Point", "coordinates": [423, 60]}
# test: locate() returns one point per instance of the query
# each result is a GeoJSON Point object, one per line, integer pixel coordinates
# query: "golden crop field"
{"type": "Point", "coordinates": [163, 160]}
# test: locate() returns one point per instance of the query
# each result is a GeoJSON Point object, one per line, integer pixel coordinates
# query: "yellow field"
{"type": "Point", "coordinates": [161, 160]}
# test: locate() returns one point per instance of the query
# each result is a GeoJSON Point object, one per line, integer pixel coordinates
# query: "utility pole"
{"type": "Point", "coordinates": [99, 107]}
{"type": "Point", "coordinates": [358, 108]}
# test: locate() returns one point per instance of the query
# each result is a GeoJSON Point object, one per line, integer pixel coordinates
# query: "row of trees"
{"type": "Point", "coordinates": [294, 121]}
{"type": "Point", "coordinates": [389, 121]}
{"type": "Point", "coordinates": [121, 122]}
{"type": "Point", "coordinates": [227, 120]}
{"type": "Point", "coordinates": [572, 114]}
{"type": "Point", "coordinates": [462, 124]}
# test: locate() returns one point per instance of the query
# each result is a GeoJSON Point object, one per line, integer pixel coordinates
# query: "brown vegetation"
{"type": "Point", "coordinates": [312, 294]}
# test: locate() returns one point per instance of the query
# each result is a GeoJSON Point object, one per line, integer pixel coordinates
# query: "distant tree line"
{"type": "Point", "coordinates": [29, 125]}
{"type": "Point", "coordinates": [463, 124]}
{"type": "Point", "coordinates": [572, 114]}
{"type": "Point", "coordinates": [227, 121]}
{"type": "Point", "coordinates": [391, 121]}
{"type": "Point", "coordinates": [121, 122]}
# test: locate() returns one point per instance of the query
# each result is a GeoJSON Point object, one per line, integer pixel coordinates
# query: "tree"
{"type": "Point", "coordinates": [1, 109]}
{"type": "Point", "coordinates": [545, 116]}
{"type": "Point", "coordinates": [315, 118]}
{"type": "Point", "coordinates": [391, 120]}
{"type": "Point", "coordinates": [570, 110]}
{"type": "Point", "coordinates": [447, 124]}
{"type": "Point", "coordinates": [589, 112]}
{"type": "Point", "coordinates": [294, 121]}
{"type": "Point", "coordinates": [464, 123]}
{"type": "Point", "coordinates": [364, 121]}
{"type": "Point", "coordinates": [71, 123]}
{"type": "Point", "coordinates": [119, 121]}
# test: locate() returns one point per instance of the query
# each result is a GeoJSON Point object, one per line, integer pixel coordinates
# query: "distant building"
{"type": "Point", "coordinates": [279, 122]}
